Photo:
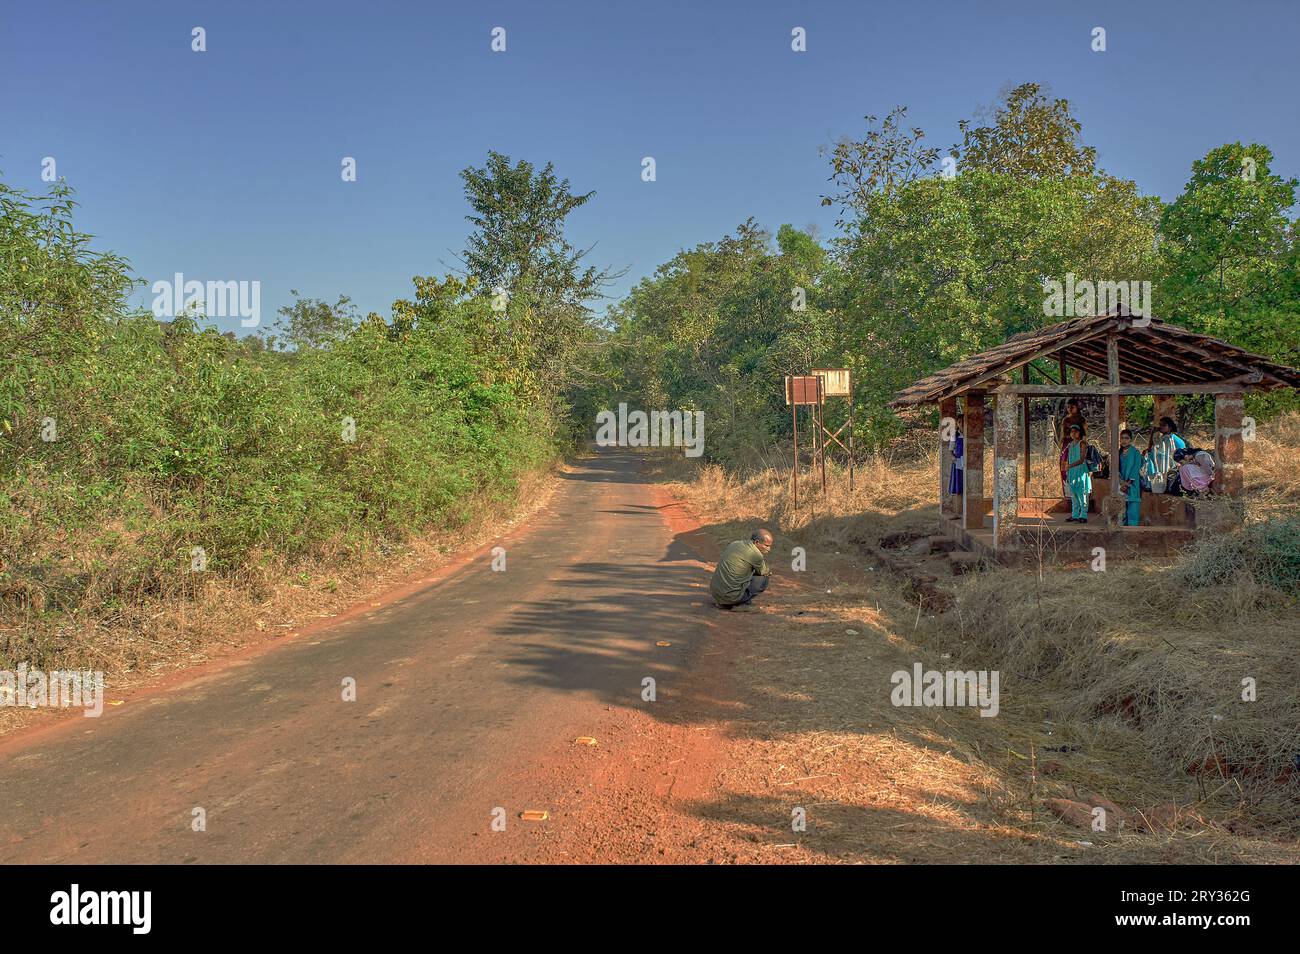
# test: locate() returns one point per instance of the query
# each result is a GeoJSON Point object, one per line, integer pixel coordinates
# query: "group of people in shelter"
{"type": "Point", "coordinates": [1168, 466]}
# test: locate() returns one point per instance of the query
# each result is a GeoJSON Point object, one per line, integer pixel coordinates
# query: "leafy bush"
{"type": "Point", "coordinates": [170, 437]}
{"type": "Point", "coordinates": [1268, 552]}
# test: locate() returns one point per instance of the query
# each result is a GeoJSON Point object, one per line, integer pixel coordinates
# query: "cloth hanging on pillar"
{"type": "Point", "coordinates": [955, 481]}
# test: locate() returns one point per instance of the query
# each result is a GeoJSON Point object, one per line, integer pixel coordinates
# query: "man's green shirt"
{"type": "Point", "coordinates": [740, 561]}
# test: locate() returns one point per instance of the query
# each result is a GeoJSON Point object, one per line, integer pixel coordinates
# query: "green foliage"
{"type": "Point", "coordinates": [53, 290]}
{"type": "Point", "coordinates": [312, 323]}
{"type": "Point", "coordinates": [519, 257]}
{"type": "Point", "coordinates": [173, 436]}
{"type": "Point", "coordinates": [1267, 552]}
{"type": "Point", "coordinates": [1030, 136]}
{"type": "Point", "coordinates": [1230, 263]}
{"type": "Point", "coordinates": [949, 267]}
{"type": "Point", "coordinates": [717, 327]}
{"type": "Point", "coordinates": [888, 158]}
{"type": "Point", "coordinates": [936, 261]}
{"type": "Point", "coordinates": [518, 239]}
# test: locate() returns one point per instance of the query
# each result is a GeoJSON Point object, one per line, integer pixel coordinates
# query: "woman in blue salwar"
{"type": "Point", "coordinates": [1130, 476]}
{"type": "Point", "coordinates": [1078, 475]}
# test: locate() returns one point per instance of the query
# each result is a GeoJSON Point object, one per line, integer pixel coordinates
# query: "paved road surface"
{"type": "Point", "coordinates": [465, 689]}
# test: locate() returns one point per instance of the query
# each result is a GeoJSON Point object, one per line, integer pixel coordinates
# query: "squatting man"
{"type": "Point", "coordinates": [742, 571]}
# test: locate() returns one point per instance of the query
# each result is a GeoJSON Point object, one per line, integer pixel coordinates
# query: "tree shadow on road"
{"type": "Point", "coordinates": [600, 634]}
{"type": "Point", "coordinates": [874, 834]}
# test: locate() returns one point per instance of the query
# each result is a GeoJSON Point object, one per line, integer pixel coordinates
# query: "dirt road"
{"type": "Point", "coordinates": [470, 693]}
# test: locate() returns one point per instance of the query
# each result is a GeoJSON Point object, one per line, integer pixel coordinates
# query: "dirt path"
{"type": "Point", "coordinates": [469, 696]}
{"type": "Point", "coordinates": [473, 689]}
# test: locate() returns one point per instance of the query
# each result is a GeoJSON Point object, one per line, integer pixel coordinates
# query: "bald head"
{"type": "Point", "coordinates": [761, 539]}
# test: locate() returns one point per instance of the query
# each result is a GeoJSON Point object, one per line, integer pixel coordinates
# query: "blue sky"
{"type": "Point", "coordinates": [225, 165]}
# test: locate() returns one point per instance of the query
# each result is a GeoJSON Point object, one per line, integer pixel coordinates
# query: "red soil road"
{"type": "Point", "coordinates": [470, 693]}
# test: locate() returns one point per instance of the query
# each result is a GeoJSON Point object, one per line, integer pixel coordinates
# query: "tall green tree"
{"type": "Point", "coordinates": [518, 242]}
{"type": "Point", "coordinates": [519, 255]}
{"type": "Point", "coordinates": [936, 263]}
{"type": "Point", "coordinates": [1228, 251]}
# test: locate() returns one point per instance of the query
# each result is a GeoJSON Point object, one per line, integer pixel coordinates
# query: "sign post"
{"type": "Point", "coordinates": [803, 391]}
{"type": "Point", "coordinates": [837, 382]}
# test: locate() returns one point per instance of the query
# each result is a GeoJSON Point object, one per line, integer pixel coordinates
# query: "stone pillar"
{"type": "Point", "coordinates": [973, 453]}
{"type": "Point", "coordinates": [1005, 448]}
{"type": "Point", "coordinates": [1230, 477]}
{"type": "Point", "coordinates": [947, 502]}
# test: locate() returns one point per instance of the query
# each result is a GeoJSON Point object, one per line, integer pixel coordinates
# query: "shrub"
{"type": "Point", "coordinates": [1267, 552]}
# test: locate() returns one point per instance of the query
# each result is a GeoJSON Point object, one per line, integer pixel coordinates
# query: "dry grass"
{"type": "Point", "coordinates": [1126, 683]}
{"type": "Point", "coordinates": [1131, 648]}
{"type": "Point", "coordinates": [896, 488]}
{"type": "Point", "coordinates": [212, 615]}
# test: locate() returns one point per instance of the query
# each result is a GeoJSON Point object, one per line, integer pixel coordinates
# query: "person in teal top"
{"type": "Point", "coordinates": [1130, 476]}
{"type": "Point", "coordinates": [1078, 475]}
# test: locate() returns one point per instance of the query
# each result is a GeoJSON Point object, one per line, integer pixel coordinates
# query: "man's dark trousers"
{"type": "Point", "coordinates": [756, 585]}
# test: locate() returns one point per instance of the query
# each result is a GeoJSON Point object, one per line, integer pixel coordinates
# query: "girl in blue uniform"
{"type": "Point", "coordinates": [1130, 475]}
{"type": "Point", "coordinates": [1078, 475]}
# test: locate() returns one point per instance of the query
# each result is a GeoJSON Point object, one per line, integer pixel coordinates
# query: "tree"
{"type": "Point", "coordinates": [519, 256]}
{"type": "Point", "coordinates": [1228, 250]}
{"type": "Point", "coordinates": [1230, 261]}
{"type": "Point", "coordinates": [1030, 136]}
{"type": "Point", "coordinates": [934, 267]}
{"type": "Point", "coordinates": [888, 158]}
{"type": "Point", "coordinates": [58, 300]}
{"type": "Point", "coordinates": [310, 323]}
{"type": "Point", "coordinates": [518, 240]}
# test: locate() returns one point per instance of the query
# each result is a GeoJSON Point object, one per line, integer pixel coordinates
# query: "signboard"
{"type": "Point", "coordinates": [803, 389]}
{"type": "Point", "coordinates": [838, 382]}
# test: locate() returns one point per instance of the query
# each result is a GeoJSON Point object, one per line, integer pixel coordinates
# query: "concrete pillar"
{"type": "Point", "coordinates": [1006, 446]}
{"type": "Point", "coordinates": [1228, 445]}
{"type": "Point", "coordinates": [973, 453]}
{"type": "Point", "coordinates": [947, 502]}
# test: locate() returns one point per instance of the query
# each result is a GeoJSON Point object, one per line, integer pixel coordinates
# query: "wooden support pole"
{"type": "Point", "coordinates": [821, 426]}
{"type": "Point", "coordinates": [794, 427]}
{"type": "Point", "coordinates": [850, 441]}
{"type": "Point", "coordinates": [813, 430]}
{"type": "Point", "coordinates": [947, 502]}
{"type": "Point", "coordinates": [973, 454]}
{"type": "Point", "coordinates": [1024, 401]}
{"type": "Point", "coordinates": [1005, 500]}
{"type": "Point", "coordinates": [1229, 446]}
{"type": "Point", "coordinates": [1113, 509]}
